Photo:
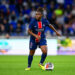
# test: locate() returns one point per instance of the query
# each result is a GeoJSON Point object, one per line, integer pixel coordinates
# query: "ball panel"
{"type": "Point", "coordinates": [49, 66]}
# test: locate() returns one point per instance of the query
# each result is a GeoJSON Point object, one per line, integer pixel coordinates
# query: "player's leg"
{"type": "Point", "coordinates": [44, 53]}
{"type": "Point", "coordinates": [30, 57]}
{"type": "Point", "coordinates": [43, 56]}
{"type": "Point", "coordinates": [32, 47]}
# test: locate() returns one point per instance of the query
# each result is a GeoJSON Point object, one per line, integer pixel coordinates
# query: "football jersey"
{"type": "Point", "coordinates": [38, 27]}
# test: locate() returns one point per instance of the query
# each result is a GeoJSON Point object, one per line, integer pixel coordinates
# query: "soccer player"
{"type": "Point", "coordinates": [37, 38]}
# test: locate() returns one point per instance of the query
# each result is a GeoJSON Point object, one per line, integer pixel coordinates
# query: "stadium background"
{"type": "Point", "coordinates": [15, 16]}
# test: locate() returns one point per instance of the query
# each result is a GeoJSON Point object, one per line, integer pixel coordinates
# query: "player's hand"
{"type": "Point", "coordinates": [58, 34]}
{"type": "Point", "coordinates": [38, 37]}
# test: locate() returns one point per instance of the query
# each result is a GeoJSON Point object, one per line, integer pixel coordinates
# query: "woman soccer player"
{"type": "Point", "coordinates": [37, 32]}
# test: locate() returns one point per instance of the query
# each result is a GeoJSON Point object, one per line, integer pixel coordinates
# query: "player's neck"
{"type": "Point", "coordinates": [39, 19]}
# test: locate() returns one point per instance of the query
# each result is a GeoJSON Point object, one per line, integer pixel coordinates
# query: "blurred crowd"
{"type": "Point", "coordinates": [15, 16]}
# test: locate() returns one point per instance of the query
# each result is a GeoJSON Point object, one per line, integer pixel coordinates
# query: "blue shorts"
{"type": "Point", "coordinates": [33, 45]}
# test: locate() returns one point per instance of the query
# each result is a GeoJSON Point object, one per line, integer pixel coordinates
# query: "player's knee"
{"type": "Point", "coordinates": [44, 51]}
{"type": "Point", "coordinates": [31, 52]}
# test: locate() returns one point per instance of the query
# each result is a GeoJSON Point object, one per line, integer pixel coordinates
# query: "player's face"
{"type": "Point", "coordinates": [38, 15]}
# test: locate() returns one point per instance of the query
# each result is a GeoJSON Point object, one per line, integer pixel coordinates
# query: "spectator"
{"type": "Point", "coordinates": [13, 16]}
{"type": "Point", "coordinates": [60, 1]}
{"type": "Point", "coordinates": [73, 25]}
{"type": "Point", "coordinates": [33, 12]}
{"type": "Point", "coordinates": [7, 36]}
{"type": "Point", "coordinates": [45, 11]}
{"type": "Point", "coordinates": [59, 11]}
{"type": "Point", "coordinates": [73, 10]}
{"type": "Point", "coordinates": [11, 29]}
{"type": "Point", "coordinates": [19, 28]}
{"type": "Point", "coordinates": [2, 29]}
{"type": "Point", "coordinates": [6, 25]}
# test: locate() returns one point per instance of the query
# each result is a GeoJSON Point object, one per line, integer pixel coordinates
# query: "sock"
{"type": "Point", "coordinates": [43, 57]}
{"type": "Point", "coordinates": [30, 58]}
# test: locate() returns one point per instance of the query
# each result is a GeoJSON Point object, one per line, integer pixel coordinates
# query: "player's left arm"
{"type": "Point", "coordinates": [54, 30]}
{"type": "Point", "coordinates": [50, 26]}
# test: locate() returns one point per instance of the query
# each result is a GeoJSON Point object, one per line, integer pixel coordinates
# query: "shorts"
{"type": "Point", "coordinates": [33, 45]}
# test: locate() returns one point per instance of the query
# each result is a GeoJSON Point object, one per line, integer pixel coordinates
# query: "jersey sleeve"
{"type": "Point", "coordinates": [47, 23]}
{"type": "Point", "coordinates": [31, 25]}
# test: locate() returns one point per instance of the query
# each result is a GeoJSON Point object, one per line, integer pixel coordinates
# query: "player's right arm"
{"type": "Point", "coordinates": [30, 31]}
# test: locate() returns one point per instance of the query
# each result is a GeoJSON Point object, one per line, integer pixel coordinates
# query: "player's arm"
{"type": "Point", "coordinates": [54, 30]}
{"type": "Point", "coordinates": [31, 33]}
{"type": "Point", "coordinates": [49, 25]}
{"type": "Point", "coordinates": [31, 28]}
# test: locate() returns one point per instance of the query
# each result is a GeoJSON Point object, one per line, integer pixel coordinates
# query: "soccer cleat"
{"type": "Point", "coordinates": [42, 67]}
{"type": "Point", "coordinates": [27, 69]}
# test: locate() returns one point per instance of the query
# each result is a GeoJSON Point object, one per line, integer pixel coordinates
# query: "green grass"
{"type": "Point", "coordinates": [15, 65]}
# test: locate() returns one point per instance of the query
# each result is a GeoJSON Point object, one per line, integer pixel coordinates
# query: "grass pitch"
{"type": "Point", "coordinates": [15, 65]}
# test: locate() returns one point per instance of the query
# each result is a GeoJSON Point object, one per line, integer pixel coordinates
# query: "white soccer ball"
{"type": "Point", "coordinates": [49, 66]}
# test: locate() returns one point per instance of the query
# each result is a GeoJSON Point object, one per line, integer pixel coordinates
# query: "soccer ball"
{"type": "Point", "coordinates": [49, 66]}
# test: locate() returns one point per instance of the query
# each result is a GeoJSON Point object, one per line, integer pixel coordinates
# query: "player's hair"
{"type": "Point", "coordinates": [40, 9]}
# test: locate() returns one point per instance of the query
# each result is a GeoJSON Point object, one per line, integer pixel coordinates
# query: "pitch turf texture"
{"type": "Point", "coordinates": [15, 65]}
